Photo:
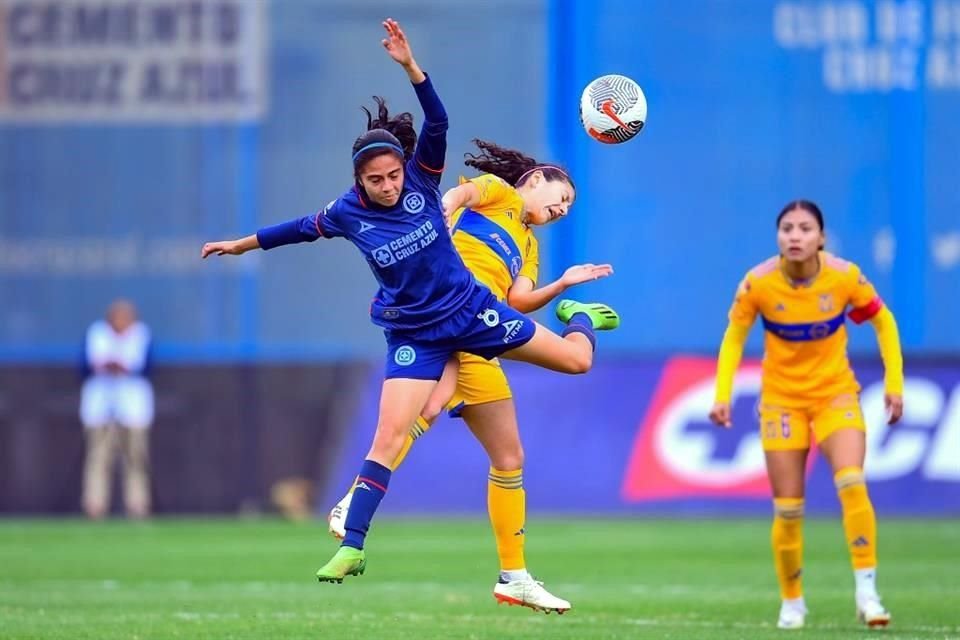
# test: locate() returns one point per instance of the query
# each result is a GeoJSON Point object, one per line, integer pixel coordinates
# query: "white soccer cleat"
{"type": "Point", "coordinates": [529, 593]}
{"type": "Point", "coordinates": [337, 518]}
{"type": "Point", "coordinates": [792, 616]}
{"type": "Point", "coordinates": [870, 611]}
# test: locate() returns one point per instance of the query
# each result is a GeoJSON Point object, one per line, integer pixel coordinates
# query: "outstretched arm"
{"type": "Point", "coordinates": [230, 247]}
{"type": "Point", "coordinates": [731, 351]}
{"type": "Point", "coordinates": [305, 229]}
{"type": "Point", "coordinates": [524, 298]}
{"type": "Point", "coordinates": [888, 337]}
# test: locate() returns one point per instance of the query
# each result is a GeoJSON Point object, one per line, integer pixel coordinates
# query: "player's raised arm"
{"type": "Point", "coordinates": [432, 145]}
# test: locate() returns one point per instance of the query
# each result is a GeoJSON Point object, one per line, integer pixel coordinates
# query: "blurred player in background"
{"type": "Point", "coordinates": [429, 304]}
{"type": "Point", "coordinates": [808, 385]}
{"type": "Point", "coordinates": [116, 409]}
{"type": "Point", "coordinates": [493, 216]}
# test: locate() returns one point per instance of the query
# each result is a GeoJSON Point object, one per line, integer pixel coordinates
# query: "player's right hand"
{"type": "Point", "coordinates": [720, 414]}
{"type": "Point", "coordinates": [396, 43]}
{"type": "Point", "coordinates": [221, 248]}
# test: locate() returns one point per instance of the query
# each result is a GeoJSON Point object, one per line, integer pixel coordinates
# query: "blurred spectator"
{"type": "Point", "coordinates": [116, 408]}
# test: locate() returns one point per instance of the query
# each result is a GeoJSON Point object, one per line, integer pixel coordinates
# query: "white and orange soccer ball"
{"type": "Point", "coordinates": [613, 109]}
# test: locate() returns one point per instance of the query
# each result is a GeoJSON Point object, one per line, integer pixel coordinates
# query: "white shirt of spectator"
{"type": "Point", "coordinates": [125, 399]}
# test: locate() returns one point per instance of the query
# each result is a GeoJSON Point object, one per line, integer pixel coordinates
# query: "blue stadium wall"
{"type": "Point", "coordinates": [850, 103]}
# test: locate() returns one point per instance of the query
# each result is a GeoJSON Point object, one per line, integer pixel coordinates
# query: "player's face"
{"type": "Point", "coordinates": [547, 201]}
{"type": "Point", "coordinates": [799, 235]}
{"type": "Point", "coordinates": [382, 179]}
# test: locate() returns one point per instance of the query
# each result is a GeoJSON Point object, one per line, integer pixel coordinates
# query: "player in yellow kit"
{"type": "Point", "coordinates": [491, 218]}
{"type": "Point", "coordinates": [802, 297]}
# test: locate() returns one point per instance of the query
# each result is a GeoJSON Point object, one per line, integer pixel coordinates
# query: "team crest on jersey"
{"type": "Point", "coordinates": [414, 202]}
{"type": "Point", "coordinates": [826, 302]}
{"type": "Point", "coordinates": [383, 256]}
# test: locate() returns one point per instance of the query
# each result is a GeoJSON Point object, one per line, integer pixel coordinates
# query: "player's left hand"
{"type": "Point", "coordinates": [396, 43]}
{"type": "Point", "coordinates": [720, 415]}
{"type": "Point", "coordinates": [580, 273]}
{"type": "Point", "coordinates": [221, 248]}
{"type": "Point", "coordinates": [894, 405]}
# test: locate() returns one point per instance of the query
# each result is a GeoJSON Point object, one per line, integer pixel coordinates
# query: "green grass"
{"type": "Point", "coordinates": [630, 578]}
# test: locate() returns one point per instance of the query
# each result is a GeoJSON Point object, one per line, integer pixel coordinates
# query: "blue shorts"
{"type": "Point", "coordinates": [484, 326]}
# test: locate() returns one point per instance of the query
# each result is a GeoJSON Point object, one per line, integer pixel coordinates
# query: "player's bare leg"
{"type": "Point", "coordinates": [401, 400]}
{"type": "Point", "coordinates": [572, 352]}
{"type": "Point", "coordinates": [439, 397]}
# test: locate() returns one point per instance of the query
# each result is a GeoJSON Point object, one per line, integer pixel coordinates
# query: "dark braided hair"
{"type": "Point", "coordinates": [511, 165]}
{"type": "Point", "coordinates": [803, 205]}
{"type": "Point", "coordinates": [397, 131]}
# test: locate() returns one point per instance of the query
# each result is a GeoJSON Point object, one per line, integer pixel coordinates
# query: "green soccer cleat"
{"type": "Point", "coordinates": [602, 316]}
{"type": "Point", "coordinates": [347, 561]}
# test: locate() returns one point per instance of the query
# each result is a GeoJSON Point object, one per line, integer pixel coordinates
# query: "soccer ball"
{"type": "Point", "coordinates": [613, 109]}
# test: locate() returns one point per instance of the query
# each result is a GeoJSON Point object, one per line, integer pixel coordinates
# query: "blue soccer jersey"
{"type": "Point", "coordinates": [422, 278]}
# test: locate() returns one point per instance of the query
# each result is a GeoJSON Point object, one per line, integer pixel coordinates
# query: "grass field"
{"type": "Point", "coordinates": [630, 578]}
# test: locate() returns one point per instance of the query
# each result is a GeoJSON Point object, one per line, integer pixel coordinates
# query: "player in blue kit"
{"type": "Point", "coordinates": [429, 304]}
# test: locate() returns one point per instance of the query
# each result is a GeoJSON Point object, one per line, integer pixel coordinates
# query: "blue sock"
{"type": "Point", "coordinates": [580, 323]}
{"type": "Point", "coordinates": [371, 486]}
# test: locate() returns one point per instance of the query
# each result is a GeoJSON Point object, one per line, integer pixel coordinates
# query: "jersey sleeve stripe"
{"type": "Point", "coordinates": [430, 169]}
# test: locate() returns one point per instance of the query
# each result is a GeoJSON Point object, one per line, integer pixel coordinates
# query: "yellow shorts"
{"type": "Point", "coordinates": [480, 381]}
{"type": "Point", "coordinates": [786, 428]}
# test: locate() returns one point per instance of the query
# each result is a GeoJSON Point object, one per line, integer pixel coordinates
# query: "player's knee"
{"type": "Point", "coordinates": [389, 438]}
{"type": "Point", "coordinates": [509, 460]}
{"type": "Point", "coordinates": [431, 411]}
{"type": "Point", "coordinates": [580, 361]}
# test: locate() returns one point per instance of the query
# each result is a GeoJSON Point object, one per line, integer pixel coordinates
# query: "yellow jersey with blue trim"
{"type": "Point", "coordinates": [805, 342]}
{"type": "Point", "coordinates": [492, 239]}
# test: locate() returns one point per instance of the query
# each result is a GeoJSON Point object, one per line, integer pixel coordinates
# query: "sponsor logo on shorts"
{"type": "Point", "coordinates": [512, 329]}
{"type": "Point", "coordinates": [490, 317]}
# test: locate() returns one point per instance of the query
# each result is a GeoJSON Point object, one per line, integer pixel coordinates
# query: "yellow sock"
{"type": "Point", "coordinates": [506, 502]}
{"type": "Point", "coordinates": [859, 519]}
{"type": "Point", "coordinates": [418, 429]}
{"type": "Point", "coordinates": [787, 538]}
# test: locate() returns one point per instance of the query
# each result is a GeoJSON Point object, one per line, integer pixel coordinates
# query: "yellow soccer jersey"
{"type": "Point", "coordinates": [490, 237]}
{"type": "Point", "coordinates": [805, 343]}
